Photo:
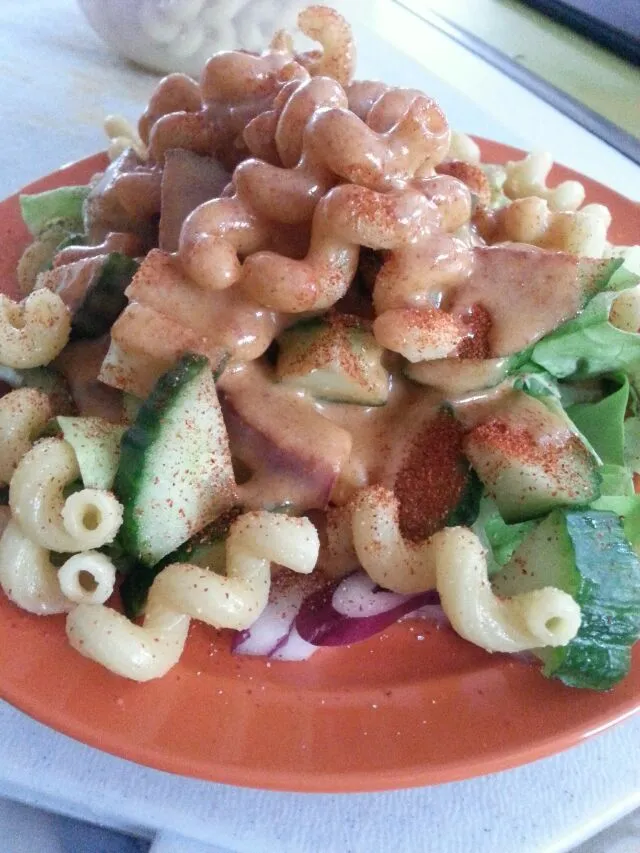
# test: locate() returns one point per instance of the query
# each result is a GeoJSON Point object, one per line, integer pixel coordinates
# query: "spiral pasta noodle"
{"type": "Point", "coordinates": [237, 87]}
{"type": "Point", "coordinates": [182, 592]}
{"type": "Point", "coordinates": [34, 331]}
{"type": "Point", "coordinates": [27, 575]}
{"type": "Point", "coordinates": [531, 220]}
{"type": "Point", "coordinates": [23, 413]}
{"type": "Point", "coordinates": [335, 146]}
{"type": "Point", "coordinates": [530, 620]}
{"type": "Point", "coordinates": [85, 520]}
{"type": "Point", "coordinates": [386, 556]}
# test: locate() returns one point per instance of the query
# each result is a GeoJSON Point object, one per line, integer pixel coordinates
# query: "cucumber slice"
{"type": "Point", "coordinates": [460, 375]}
{"type": "Point", "coordinates": [530, 460]}
{"type": "Point", "coordinates": [96, 443]}
{"type": "Point", "coordinates": [93, 290]}
{"type": "Point", "coordinates": [586, 554]}
{"type": "Point", "coordinates": [104, 298]}
{"type": "Point", "coordinates": [206, 549]}
{"type": "Point", "coordinates": [334, 359]}
{"type": "Point", "coordinates": [175, 473]}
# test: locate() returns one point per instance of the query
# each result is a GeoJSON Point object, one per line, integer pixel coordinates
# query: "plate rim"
{"type": "Point", "coordinates": [308, 781]}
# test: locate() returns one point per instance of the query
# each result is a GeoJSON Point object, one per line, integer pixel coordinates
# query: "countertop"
{"type": "Point", "coordinates": [58, 81]}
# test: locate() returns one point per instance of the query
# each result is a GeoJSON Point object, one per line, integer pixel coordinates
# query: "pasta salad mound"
{"type": "Point", "coordinates": [299, 364]}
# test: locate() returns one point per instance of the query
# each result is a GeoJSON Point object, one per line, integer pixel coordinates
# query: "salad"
{"type": "Point", "coordinates": [298, 364]}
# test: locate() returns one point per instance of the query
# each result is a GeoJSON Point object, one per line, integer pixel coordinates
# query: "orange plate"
{"type": "Point", "coordinates": [414, 706]}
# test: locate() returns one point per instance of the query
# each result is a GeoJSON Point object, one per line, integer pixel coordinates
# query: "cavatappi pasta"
{"type": "Point", "coordinates": [35, 331]}
{"type": "Point", "coordinates": [365, 291]}
{"type": "Point", "coordinates": [182, 592]}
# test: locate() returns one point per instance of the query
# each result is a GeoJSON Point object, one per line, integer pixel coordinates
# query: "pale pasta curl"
{"type": "Point", "coordinates": [123, 135]}
{"type": "Point", "coordinates": [182, 592]}
{"type": "Point", "coordinates": [530, 620]}
{"type": "Point", "coordinates": [88, 577]}
{"type": "Point", "coordinates": [86, 519]}
{"type": "Point", "coordinates": [528, 177]}
{"type": "Point", "coordinates": [34, 331]}
{"type": "Point", "coordinates": [530, 220]}
{"type": "Point", "coordinates": [23, 414]}
{"type": "Point", "coordinates": [386, 556]}
{"type": "Point", "coordinates": [463, 147]}
{"type": "Point", "coordinates": [27, 575]}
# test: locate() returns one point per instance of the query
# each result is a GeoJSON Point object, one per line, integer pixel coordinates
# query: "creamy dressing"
{"type": "Point", "coordinates": [294, 454]}
{"type": "Point", "coordinates": [459, 375]}
{"type": "Point", "coordinates": [300, 449]}
{"type": "Point", "coordinates": [380, 434]}
{"type": "Point", "coordinates": [527, 292]}
{"type": "Point", "coordinates": [224, 318]}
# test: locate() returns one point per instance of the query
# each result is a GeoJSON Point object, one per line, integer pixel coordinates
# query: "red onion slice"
{"type": "Point", "coordinates": [320, 623]}
{"type": "Point", "coordinates": [358, 596]}
{"type": "Point", "coordinates": [293, 647]}
{"type": "Point", "coordinates": [272, 628]}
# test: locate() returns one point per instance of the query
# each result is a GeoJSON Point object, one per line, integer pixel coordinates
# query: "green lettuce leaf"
{"type": "Point", "coordinates": [64, 205]}
{"type": "Point", "coordinates": [602, 423]}
{"type": "Point", "coordinates": [632, 443]}
{"type": "Point", "coordinates": [499, 538]}
{"type": "Point", "coordinates": [589, 345]}
{"type": "Point", "coordinates": [616, 481]}
{"type": "Point", "coordinates": [628, 273]}
{"type": "Point", "coordinates": [628, 509]}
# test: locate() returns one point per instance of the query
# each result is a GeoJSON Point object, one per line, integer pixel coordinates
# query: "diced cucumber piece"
{"type": "Point", "coordinates": [96, 443]}
{"type": "Point", "coordinates": [334, 359]}
{"type": "Point", "coordinates": [595, 274]}
{"type": "Point", "coordinates": [104, 298]}
{"type": "Point", "coordinates": [586, 554]}
{"type": "Point", "coordinates": [39, 211]}
{"type": "Point", "coordinates": [530, 460]}
{"type": "Point", "coordinates": [175, 474]}
{"type": "Point", "coordinates": [93, 290]}
{"type": "Point", "coordinates": [460, 375]}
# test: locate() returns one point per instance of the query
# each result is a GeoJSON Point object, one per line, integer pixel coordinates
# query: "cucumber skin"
{"type": "Point", "coordinates": [466, 512]}
{"type": "Point", "coordinates": [610, 570]}
{"type": "Point", "coordinates": [104, 300]}
{"type": "Point", "coordinates": [138, 439]}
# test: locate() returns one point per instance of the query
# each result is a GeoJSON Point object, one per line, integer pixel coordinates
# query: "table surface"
{"type": "Point", "coordinates": [58, 82]}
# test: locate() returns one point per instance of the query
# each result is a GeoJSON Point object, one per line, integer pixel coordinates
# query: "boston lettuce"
{"type": "Point", "coordinates": [589, 344]}
{"type": "Point", "coordinates": [499, 538]}
{"type": "Point", "coordinates": [602, 422]}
